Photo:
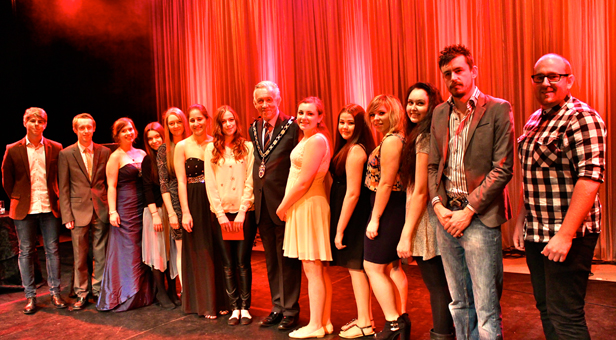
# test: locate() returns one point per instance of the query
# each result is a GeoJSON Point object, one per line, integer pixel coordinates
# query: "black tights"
{"type": "Point", "coordinates": [433, 275]}
{"type": "Point", "coordinates": [236, 257]}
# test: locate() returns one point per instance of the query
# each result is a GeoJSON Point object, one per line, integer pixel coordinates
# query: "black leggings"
{"type": "Point", "coordinates": [236, 262]}
{"type": "Point", "coordinates": [433, 275]}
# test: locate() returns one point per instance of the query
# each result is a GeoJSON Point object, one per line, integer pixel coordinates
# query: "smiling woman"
{"type": "Point", "coordinates": [132, 287]}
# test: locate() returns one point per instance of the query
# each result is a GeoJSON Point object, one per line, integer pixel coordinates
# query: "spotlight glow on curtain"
{"type": "Point", "coordinates": [214, 52]}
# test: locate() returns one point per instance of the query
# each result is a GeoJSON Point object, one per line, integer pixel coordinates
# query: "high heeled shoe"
{"type": "Point", "coordinates": [401, 327]}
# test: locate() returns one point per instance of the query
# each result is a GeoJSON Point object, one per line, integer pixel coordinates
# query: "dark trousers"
{"type": "Point", "coordinates": [560, 287]}
{"type": "Point", "coordinates": [433, 275]}
{"type": "Point", "coordinates": [236, 263]}
{"type": "Point", "coordinates": [284, 274]}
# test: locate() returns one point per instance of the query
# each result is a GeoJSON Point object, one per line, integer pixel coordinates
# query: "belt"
{"type": "Point", "coordinates": [457, 202]}
{"type": "Point", "coordinates": [198, 179]}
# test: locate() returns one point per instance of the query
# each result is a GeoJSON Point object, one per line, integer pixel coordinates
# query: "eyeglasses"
{"type": "Point", "coordinates": [552, 78]}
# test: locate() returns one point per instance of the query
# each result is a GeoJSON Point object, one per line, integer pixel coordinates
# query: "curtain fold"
{"type": "Point", "coordinates": [347, 51]}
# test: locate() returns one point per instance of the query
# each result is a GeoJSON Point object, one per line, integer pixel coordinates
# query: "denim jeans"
{"type": "Point", "coordinates": [474, 269]}
{"type": "Point", "coordinates": [560, 287]}
{"type": "Point", "coordinates": [27, 237]}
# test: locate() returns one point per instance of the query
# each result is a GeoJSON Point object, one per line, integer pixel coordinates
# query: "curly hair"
{"type": "Point", "coordinates": [238, 146]}
{"type": "Point", "coordinates": [451, 52]}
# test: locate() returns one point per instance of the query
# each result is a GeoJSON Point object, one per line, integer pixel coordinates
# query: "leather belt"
{"type": "Point", "coordinates": [458, 203]}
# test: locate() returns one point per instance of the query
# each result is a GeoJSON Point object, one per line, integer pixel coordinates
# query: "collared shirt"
{"type": "Point", "coordinates": [271, 122]}
{"type": "Point", "coordinates": [557, 147]}
{"type": "Point", "coordinates": [39, 196]}
{"type": "Point", "coordinates": [458, 136]}
{"type": "Point", "coordinates": [83, 153]}
{"type": "Point", "coordinates": [229, 182]}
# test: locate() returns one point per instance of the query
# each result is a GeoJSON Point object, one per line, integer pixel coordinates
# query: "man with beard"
{"type": "Point", "coordinates": [470, 164]}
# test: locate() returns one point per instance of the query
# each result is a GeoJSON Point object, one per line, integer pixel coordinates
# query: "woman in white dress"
{"type": "Point", "coordinates": [306, 211]}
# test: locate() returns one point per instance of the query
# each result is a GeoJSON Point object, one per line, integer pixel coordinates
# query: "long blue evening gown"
{"type": "Point", "coordinates": [127, 281]}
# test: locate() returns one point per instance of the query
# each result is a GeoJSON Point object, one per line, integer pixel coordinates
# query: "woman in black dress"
{"type": "Point", "coordinates": [350, 210]}
{"type": "Point", "coordinates": [202, 276]}
{"type": "Point", "coordinates": [388, 198]}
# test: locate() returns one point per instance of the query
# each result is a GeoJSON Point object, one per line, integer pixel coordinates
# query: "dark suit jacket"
{"type": "Point", "coordinates": [80, 196]}
{"type": "Point", "coordinates": [272, 186]}
{"type": "Point", "coordinates": [16, 177]}
{"type": "Point", "coordinates": [488, 159]}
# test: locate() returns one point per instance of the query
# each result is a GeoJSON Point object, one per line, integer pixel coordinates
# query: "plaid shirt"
{"type": "Point", "coordinates": [556, 148]}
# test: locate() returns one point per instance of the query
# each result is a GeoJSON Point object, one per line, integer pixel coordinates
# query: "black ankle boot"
{"type": "Point", "coordinates": [401, 327]}
{"type": "Point", "coordinates": [172, 289]}
{"type": "Point", "coordinates": [161, 293]}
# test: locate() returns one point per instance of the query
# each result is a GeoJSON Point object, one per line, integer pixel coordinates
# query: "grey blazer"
{"type": "Point", "coordinates": [80, 196]}
{"type": "Point", "coordinates": [488, 158]}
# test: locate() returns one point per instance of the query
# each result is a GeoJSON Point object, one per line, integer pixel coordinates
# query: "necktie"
{"type": "Point", "coordinates": [88, 162]}
{"type": "Point", "coordinates": [266, 140]}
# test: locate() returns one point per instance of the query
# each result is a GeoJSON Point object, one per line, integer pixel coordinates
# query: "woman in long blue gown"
{"type": "Point", "coordinates": [127, 281]}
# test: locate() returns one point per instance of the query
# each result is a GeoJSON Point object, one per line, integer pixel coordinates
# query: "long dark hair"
{"type": "Point", "coordinates": [414, 130]}
{"type": "Point", "coordinates": [239, 147]}
{"type": "Point", "coordinates": [154, 126]}
{"type": "Point", "coordinates": [361, 135]}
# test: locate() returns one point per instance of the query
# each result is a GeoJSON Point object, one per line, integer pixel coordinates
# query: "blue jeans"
{"type": "Point", "coordinates": [27, 237]}
{"type": "Point", "coordinates": [474, 269]}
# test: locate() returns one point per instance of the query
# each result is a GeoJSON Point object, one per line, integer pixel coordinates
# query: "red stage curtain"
{"type": "Point", "coordinates": [214, 52]}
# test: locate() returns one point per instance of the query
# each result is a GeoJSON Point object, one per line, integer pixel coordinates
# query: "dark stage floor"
{"type": "Point", "coordinates": [521, 320]}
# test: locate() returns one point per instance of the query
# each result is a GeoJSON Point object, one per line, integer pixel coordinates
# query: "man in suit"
{"type": "Point", "coordinates": [274, 135]}
{"type": "Point", "coordinates": [83, 202]}
{"type": "Point", "coordinates": [30, 178]}
{"type": "Point", "coordinates": [470, 164]}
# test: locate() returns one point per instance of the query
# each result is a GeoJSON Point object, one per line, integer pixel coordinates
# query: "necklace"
{"type": "Point", "coordinates": [127, 155]}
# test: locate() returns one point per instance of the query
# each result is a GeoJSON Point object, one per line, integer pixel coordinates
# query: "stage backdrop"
{"type": "Point", "coordinates": [348, 51]}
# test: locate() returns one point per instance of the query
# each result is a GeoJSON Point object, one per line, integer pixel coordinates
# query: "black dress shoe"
{"type": "Point", "coordinates": [81, 303]}
{"type": "Point", "coordinates": [272, 319]}
{"type": "Point", "coordinates": [30, 306]}
{"type": "Point", "coordinates": [58, 302]}
{"type": "Point", "coordinates": [287, 323]}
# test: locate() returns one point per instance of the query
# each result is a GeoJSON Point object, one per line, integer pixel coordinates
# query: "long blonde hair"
{"type": "Point", "coordinates": [169, 137]}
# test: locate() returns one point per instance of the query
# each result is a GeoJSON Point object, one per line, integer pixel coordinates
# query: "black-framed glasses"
{"type": "Point", "coordinates": [552, 78]}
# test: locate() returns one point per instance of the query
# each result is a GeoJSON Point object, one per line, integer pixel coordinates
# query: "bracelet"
{"type": "Point", "coordinates": [155, 212]}
{"type": "Point", "coordinates": [113, 212]}
{"type": "Point", "coordinates": [172, 214]}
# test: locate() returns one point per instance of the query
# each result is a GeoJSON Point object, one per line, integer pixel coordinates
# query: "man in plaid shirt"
{"type": "Point", "coordinates": [562, 155]}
